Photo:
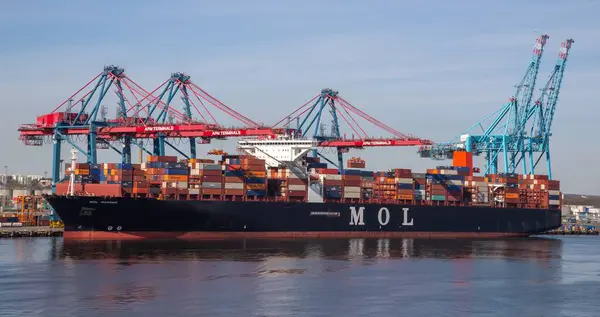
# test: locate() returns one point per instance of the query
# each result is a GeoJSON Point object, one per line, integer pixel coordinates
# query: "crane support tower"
{"type": "Point", "coordinates": [310, 118]}
{"type": "Point", "coordinates": [505, 132]}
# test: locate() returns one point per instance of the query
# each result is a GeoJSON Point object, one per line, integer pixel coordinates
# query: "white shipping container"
{"type": "Point", "coordinates": [181, 185]}
{"type": "Point", "coordinates": [7, 224]}
{"type": "Point", "coordinates": [195, 172]}
{"type": "Point", "coordinates": [351, 195]}
{"type": "Point", "coordinates": [553, 192]}
{"type": "Point", "coordinates": [234, 185]}
{"type": "Point", "coordinates": [554, 202]}
{"type": "Point", "coordinates": [194, 191]}
{"type": "Point", "coordinates": [297, 187]}
{"type": "Point", "coordinates": [454, 182]}
{"type": "Point", "coordinates": [351, 189]}
{"type": "Point", "coordinates": [211, 185]}
{"type": "Point", "coordinates": [209, 166]}
{"type": "Point", "coordinates": [449, 172]}
{"type": "Point", "coordinates": [404, 180]}
{"type": "Point", "coordinates": [334, 177]}
{"type": "Point", "coordinates": [17, 224]}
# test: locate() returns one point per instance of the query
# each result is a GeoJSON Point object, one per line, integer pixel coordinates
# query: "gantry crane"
{"type": "Point", "coordinates": [190, 94]}
{"type": "Point", "coordinates": [543, 112]}
{"type": "Point", "coordinates": [310, 117]}
{"type": "Point", "coordinates": [506, 136]}
{"type": "Point", "coordinates": [134, 122]}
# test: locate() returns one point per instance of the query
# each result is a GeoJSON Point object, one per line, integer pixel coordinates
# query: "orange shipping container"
{"type": "Point", "coordinates": [234, 192]}
{"type": "Point", "coordinates": [255, 173]}
{"type": "Point", "coordinates": [176, 178]}
{"type": "Point", "coordinates": [462, 159]}
{"type": "Point", "coordinates": [512, 196]}
{"type": "Point", "coordinates": [405, 197]}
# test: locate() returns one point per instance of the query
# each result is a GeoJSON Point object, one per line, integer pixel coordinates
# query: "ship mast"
{"type": "Point", "coordinates": [72, 176]}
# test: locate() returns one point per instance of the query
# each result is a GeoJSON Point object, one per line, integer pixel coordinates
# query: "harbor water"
{"type": "Point", "coordinates": [551, 276]}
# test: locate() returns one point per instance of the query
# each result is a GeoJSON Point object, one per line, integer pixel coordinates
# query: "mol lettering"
{"type": "Point", "coordinates": [405, 222]}
{"type": "Point", "coordinates": [357, 216]}
{"type": "Point", "coordinates": [383, 216]}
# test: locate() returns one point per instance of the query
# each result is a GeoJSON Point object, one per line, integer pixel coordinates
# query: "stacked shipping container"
{"type": "Point", "coordinates": [247, 178]}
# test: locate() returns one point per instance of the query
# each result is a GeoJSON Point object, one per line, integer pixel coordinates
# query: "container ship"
{"type": "Point", "coordinates": [273, 189]}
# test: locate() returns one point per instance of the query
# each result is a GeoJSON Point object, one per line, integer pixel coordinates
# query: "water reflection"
{"type": "Point", "coordinates": [342, 277]}
{"type": "Point", "coordinates": [127, 252]}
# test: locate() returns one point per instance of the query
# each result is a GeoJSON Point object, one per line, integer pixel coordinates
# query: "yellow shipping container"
{"type": "Point", "coordinates": [82, 172]}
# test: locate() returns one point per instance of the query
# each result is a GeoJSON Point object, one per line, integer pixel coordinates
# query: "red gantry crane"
{"type": "Point", "coordinates": [309, 116]}
{"type": "Point", "coordinates": [141, 115]}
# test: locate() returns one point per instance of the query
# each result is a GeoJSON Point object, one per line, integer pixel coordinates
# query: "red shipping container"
{"type": "Point", "coordinates": [211, 191]}
{"type": "Point", "coordinates": [296, 193]}
{"type": "Point", "coordinates": [351, 177]}
{"type": "Point", "coordinates": [332, 182]}
{"type": "Point", "coordinates": [113, 190]}
{"type": "Point", "coordinates": [233, 179]}
{"type": "Point", "coordinates": [234, 192]}
{"type": "Point", "coordinates": [212, 179]}
{"type": "Point", "coordinates": [169, 191]}
{"type": "Point", "coordinates": [62, 188]}
{"type": "Point", "coordinates": [212, 172]}
{"type": "Point", "coordinates": [352, 182]}
{"type": "Point", "coordinates": [298, 181]}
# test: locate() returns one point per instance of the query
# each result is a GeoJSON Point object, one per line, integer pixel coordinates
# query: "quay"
{"type": "Point", "coordinates": [38, 231]}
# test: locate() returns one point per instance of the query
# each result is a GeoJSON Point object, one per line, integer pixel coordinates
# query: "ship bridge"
{"type": "Point", "coordinates": [275, 151]}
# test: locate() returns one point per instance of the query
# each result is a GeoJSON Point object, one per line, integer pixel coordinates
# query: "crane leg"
{"type": "Point", "coordinates": [193, 148]}
{"type": "Point", "coordinates": [126, 154]}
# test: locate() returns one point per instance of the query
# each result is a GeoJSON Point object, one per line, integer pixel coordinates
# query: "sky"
{"type": "Point", "coordinates": [428, 68]}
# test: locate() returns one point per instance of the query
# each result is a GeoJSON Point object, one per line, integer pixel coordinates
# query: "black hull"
{"type": "Point", "coordinates": [125, 218]}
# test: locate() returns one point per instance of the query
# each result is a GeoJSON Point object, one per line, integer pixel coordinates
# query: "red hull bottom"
{"type": "Point", "coordinates": [141, 235]}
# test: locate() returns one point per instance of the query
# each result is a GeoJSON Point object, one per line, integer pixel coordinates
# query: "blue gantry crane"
{"type": "Point", "coordinates": [542, 113]}
{"type": "Point", "coordinates": [506, 137]}
{"type": "Point", "coordinates": [309, 118]}
{"type": "Point", "coordinates": [191, 95]}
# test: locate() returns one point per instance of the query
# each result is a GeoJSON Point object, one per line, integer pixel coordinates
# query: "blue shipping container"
{"type": "Point", "coordinates": [405, 186]}
{"type": "Point", "coordinates": [234, 173]}
{"type": "Point", "coordinates": [317, 165]}
{"type": "Point", "coordinates": [454, 188]}
{"type": "Point", "coordinates": [124, 166]}
{"type": "Point", "coordinates": [366, 173]}
{"type": "Point", "coordinates": [352, 172]}
{"type": "Point", "coordinates": [254, 180]}
{"type": "Point", "coordinates": [176, 171]}
{"type": "Point", "coordinates": [455, 177]}
{"type": "Point", "coordinates": [463, 169]}
{"type": "Point", "coordinates": [553, 197]}
{"type": "Point", "coordinates": [333, 195]}
{"type": "Point", "coordinates": [256, 192]}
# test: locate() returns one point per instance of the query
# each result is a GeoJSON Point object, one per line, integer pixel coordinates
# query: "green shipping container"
{"type": "Point", "coordinates": [438, 197]}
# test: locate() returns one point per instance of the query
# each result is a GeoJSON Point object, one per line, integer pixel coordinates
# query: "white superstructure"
{"type": "Point", "coordinates": [283, 149]}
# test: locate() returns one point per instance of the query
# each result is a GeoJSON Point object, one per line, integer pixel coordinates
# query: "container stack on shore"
{"type": "Point", "coordinates": [246, 178]}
